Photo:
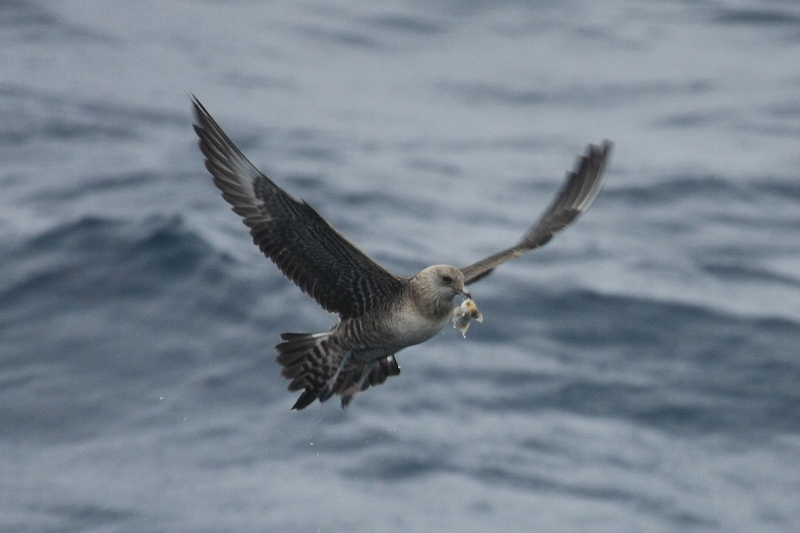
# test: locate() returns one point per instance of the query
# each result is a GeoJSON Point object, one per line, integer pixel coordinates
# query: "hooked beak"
{"type": "Point", "coordinates": [464, 294]}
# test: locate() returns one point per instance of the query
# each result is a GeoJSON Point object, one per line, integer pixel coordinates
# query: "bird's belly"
{"type": "Point", "coordinates": [412, 328]}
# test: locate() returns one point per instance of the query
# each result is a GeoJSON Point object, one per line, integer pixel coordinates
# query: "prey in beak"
{"type": "Point", "coordinates": [463, 314]}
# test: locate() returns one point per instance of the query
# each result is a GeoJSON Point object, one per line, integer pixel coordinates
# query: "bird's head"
{"type": "Point", "coordinates": [440, 282]}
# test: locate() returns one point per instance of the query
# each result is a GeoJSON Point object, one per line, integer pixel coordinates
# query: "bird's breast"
{"type": "Point", "coordinates": [412, 327]}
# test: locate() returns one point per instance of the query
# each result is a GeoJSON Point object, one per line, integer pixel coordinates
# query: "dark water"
{"type": "Point", "coordinates": [639, 374]}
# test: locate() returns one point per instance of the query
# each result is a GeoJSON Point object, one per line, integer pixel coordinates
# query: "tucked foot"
{"type": "Point", "coordinates": [361, 385]}
{"type": "Point", "coordinates": [329, 388]}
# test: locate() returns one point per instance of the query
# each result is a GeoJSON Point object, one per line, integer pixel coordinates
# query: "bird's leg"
{"type": "Point", "coordinates": [364, 376]}
{"type": "Point", "coordinates": [330, 385]}
{"type": "Point", "coordinates": [359, 386]}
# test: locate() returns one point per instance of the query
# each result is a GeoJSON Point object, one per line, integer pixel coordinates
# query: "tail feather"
{"type": "Point", "coordinates": [302, 336]}
{"type": "Point", "coordinates": [306, 361]}
{"type": "Point", "coordinates": [305, 399]}
{"type": "Point", "coordinates": [310, 361]}
{"type": "Point", "coordinates": [292, 370]}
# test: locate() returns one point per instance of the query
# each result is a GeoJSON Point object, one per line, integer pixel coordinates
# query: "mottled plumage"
{"type": "Point", "coordinates": [380, 313]}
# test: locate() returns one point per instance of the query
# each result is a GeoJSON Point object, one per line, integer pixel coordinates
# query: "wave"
{"type": "Point", "coordinates": [677, 367]}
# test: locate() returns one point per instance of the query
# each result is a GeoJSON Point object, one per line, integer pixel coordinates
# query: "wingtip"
{"type": "Point", "coordinates": [198, 110]}
{"type": "Point", "coordinates": [606, 148]}
{"type": "Point", "coordinates": [600, 150]}
{"type": "Point", "coordinates": [599, 157]}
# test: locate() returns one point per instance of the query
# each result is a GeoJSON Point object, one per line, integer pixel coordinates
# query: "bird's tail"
{"type": "Point", "coordinates": [308, 361]}
{"type": "Point", "coordinates": [315, 364]}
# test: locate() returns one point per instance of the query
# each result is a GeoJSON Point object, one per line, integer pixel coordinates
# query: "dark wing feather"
{"type": "Point", "coordinates": [575, 197]}
{"type": "Point", "coordinates": [308, 250]}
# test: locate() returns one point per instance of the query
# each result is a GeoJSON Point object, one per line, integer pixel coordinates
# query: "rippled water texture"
{"type": "Point", "coordinates": [641, 373]}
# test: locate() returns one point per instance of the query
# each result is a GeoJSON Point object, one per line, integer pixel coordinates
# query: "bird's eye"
{"type": "Point", "coordinates": [447, 279]}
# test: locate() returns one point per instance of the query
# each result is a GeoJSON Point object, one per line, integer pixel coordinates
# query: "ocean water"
{"type": "Point", "coordinates": [641, 373]}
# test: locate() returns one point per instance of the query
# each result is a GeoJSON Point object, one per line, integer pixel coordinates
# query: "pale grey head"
{"type": "Point", "coordinates": [436, 287]}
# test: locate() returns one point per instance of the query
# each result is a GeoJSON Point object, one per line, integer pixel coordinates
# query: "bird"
{"type": "Point", "coordinates": [380, 313]}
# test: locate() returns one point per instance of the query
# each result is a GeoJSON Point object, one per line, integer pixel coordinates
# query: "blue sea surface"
{"type": "Point", "coordinates": [640, 373]}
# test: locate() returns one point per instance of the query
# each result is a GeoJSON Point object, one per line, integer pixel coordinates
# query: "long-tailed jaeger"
{"type": "Point", "coordinates": [379, 313]}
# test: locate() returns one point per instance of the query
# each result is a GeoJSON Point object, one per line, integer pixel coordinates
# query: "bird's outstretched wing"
{"type": "Point", "coordinates": [576, 195]}
{"type": "Point", "coordinates": [307, 249]}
